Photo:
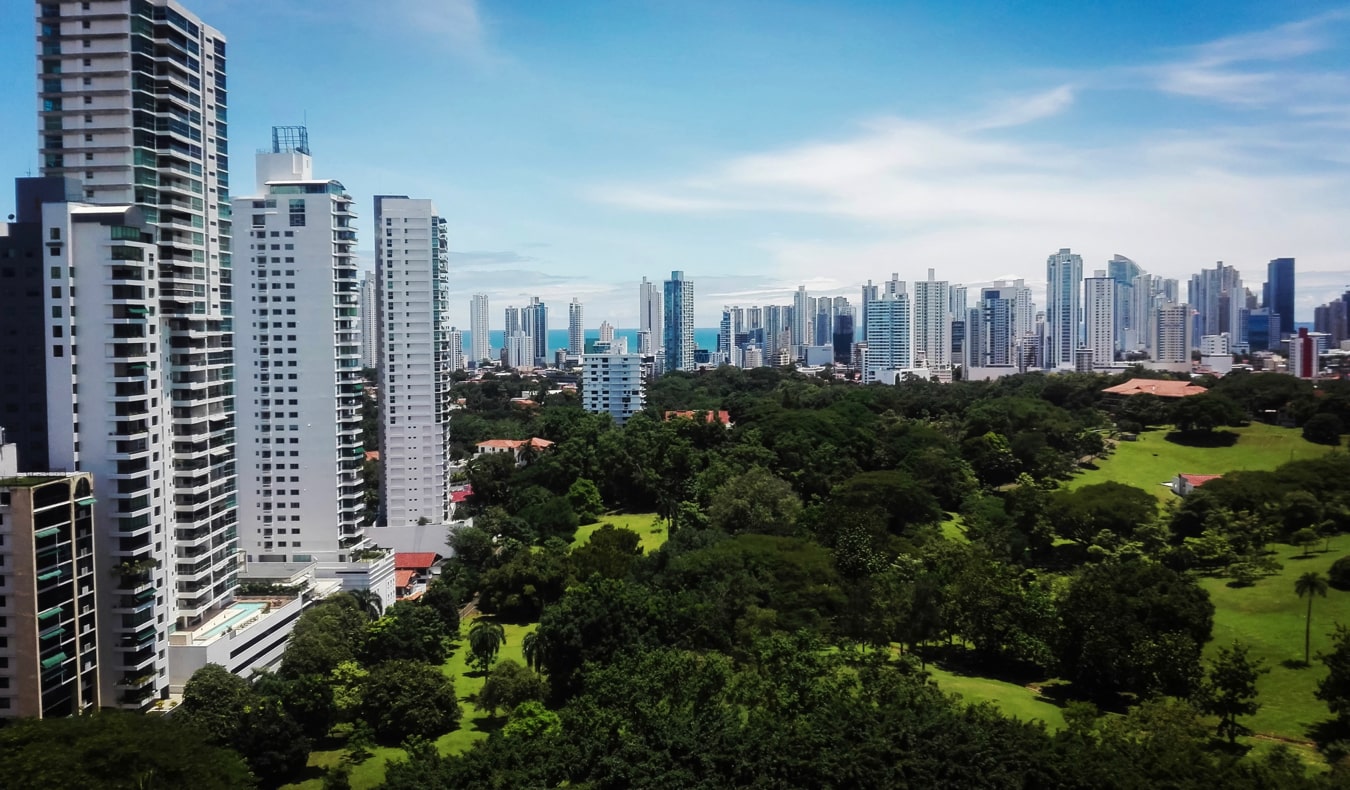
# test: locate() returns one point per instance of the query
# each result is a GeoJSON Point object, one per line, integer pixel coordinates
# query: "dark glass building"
{"type": "Point", "coordinates": [1279, 293]}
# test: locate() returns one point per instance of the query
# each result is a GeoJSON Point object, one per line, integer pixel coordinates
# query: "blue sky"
{"type": "Point", "coordinates": [577, 146]}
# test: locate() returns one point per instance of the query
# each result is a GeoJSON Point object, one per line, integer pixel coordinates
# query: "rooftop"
{"type": "Point", "coordinates": [415, 560]}
{"type": "Point", "coordinates": [1162, 388]}
{"type": "Point", "coordinates": [1198, 480]}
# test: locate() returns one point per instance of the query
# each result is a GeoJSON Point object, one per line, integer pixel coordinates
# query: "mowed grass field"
{"type": "Point", "coordinates": [1020, 702]}
{"type": "Point", "coordinates": [1269, 617]}
{"type": "Point", "coordinates": [651, 528]}
{"type": "Point", "coordinates": [1151, 461]}
{"type": "Point", "coordinates": [474, 724]}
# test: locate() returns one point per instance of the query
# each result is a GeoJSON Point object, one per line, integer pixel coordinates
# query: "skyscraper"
{"type": "Point", "coordinates": [513, 321]}
{"type": "Point", "coordinates": [613, 384]}
{"type": "Point", "coordinates": [990, 340]}
{"type": "Point", "coordinates": [370, 340]}
{"type": "Point", "coordinates": [932, 322]}
{"type": "Point", "coordinates": [158, 142]}
{"type": "Point", "coordinates": [649, 317]}
{"type": "Point", "coordinates": [870, 293]}
{"type": "Point", "coordinates": [1063, 295]}
{"type": "Point", "coordinates": [534, 318]}
{"type": "Point", "coordinates": [302, 498]}
{"type": "Point", "coordinates": [679, 326]}
{"type": "Point", "coordinates": [1217, 295]}
{"type": "Point", "coordinates": [412, 264]}
{"type": "Point", "coordinates": [1172, 336]}
{"type": "Point", "coordinates": [1124, 271]}
{"type": "Point", "coordinates": [576, 342]}
{"type": "Point", "coordinates": [803, 313]}
{"type": "Point", "coordinates": [479, 346]}
{"type": "Point", "coordinates": [1099, 317]}
{"type": "Point", "coordinates": [1279, 292]}
{"type": "Point", "coordinates": [889, 338]}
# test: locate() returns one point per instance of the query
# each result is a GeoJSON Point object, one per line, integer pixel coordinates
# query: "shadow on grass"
{"type": "Point", "coordinates": [1328, 731]}
{"type": "Point", "coordinates": [488, 724]}
{"type": "Point", "coordinates": [1202, 438]}
{"type": "Point", "coordinates": [1294, 663]}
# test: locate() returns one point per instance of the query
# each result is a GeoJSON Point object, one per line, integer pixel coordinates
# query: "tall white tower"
{"type": "Point", "coordinates": [1099, 317]}
{"type": "Point", "coordinates": [576, 342]}
{"type": "Point", "coordinates": [301, 495]}
{"type": "Point", "coordinates": [679, 328]}
{"type": "Point", "coordinates": [132, 104]}
{"type": "Point", "coordinates": [932, 322]}
{"type": "Point", "coordinates": [370, 332]}
{"type": "Point", "coordinates": [650, 321]}
{"type": "Point", "coordinates": [889, 340]}
{"type": "Point", "coordinates": [803, 314]}
{"type": "Point", "coordinates": [1063, 305]}
{"type": "Point", "coordinates": [412, 264]}
{"type": "Point", "coordinates": [480, 348]}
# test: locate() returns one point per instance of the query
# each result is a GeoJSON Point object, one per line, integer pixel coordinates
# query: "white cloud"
{"type": "Point", "coordinates": [1026, 109]}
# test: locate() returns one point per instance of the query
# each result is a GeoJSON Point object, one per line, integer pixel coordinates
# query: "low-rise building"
{"type": "Point", "coordinates": [520, 448]}
{"type": "Point", "coordinates": [1183, 484]}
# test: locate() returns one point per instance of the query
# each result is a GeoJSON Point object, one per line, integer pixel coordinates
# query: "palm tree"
{"type": "Point", "coordinates": [485, 639]}
{"type": "Point", "coordinates": [532, 650]}
{"type": "Point", "coordinates": [369, 602]}
{"type": "Point", "coordinates": [1309, 584]}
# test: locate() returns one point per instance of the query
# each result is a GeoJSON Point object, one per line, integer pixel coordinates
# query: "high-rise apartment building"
{"type": "Point", "coordinates": [1124, 271]}
{"type": "Point", "coordinates": [990, 338]}
{"type": "Point", "coordinates": [889, 335]}
{"type": "Point", "coordinates": [412, 265]}
{"type": "Point", "coordinates": [299, 364]}
{"type": "Point", "coordinates": [49, 640]}
{"type": "Point", "coordinates": [613, 384]}
{"type": "Point", "coordinates": [1172, 340]}
{"type": "Point", "coordinates": [457, 359]}
{"type": "Point", "coordinates": [479, 346]}
{"type": "Point", "coordinates": [1063, 295]}
{"type": "Point", "coordinates": [650, 303]}
{"type": "Point", "coordinates": [679, 326]}
{"type": "Point", "coordinates": [870, 293]}
{"type": "Point", "coordinates": [1218, 296]}
{"type": "Point", "coordinates": [85, 279]}
{"type": "Point", "coordinates": [370, 332]}
{"type": "Point", "coordinates": [141, 119]}
{"type": "Point", "coordinates": [803, 314]}
{"type": "Point", "coordinates": [534, 317]}
{"type": "Point", "coordinates": [777, 331]}
{"type": "Point", "coordinates": [1279, 292]}
{"type": "Point", "coordinates": [1305, 353]}
{"type": "Point", "coordinates": [519, 350]}
{"type": "Point", "coordinates": [1023, 311]}
{"type": "Point", "coordinates": [576, 335]}
{"type": "Point", "coordinates": [933, 322]}
{"type": "Point", "coordinates": [606, 332]}
{"type": "Point", "coordinates": [1099, 317]}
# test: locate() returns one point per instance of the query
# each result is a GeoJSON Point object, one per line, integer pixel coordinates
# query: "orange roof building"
{"type": "Point", "coordinates": [1162, 388]}
{"type": "Point", "coordinates": [721, 416]}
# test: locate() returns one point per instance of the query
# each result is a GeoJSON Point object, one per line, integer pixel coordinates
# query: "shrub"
{"type": "Point", "coordinates": [1339, 575]}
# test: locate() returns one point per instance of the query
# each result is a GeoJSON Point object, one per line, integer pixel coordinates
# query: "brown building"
{"type": "Point", "coordinates": [48, 627]}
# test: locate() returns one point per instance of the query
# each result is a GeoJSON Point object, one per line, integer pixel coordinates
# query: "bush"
{"type": "Point", "coordinates": [1323, 429]}
{"type": "Point", "coordinates": [1339, 575]}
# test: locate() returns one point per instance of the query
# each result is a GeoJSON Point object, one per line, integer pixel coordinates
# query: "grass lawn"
{"type": "Point", "coordinates": [648, 526]}
{"type": "Point", "coordinates": [474, 724]}
{"type": "Point", "coordinates": [1013, 700]}
{"type": "Point", "coordinates": [1152, 460]}
{"type": "Point", "coordinates": [1269, 617]}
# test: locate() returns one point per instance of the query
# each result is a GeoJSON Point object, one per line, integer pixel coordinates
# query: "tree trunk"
{"type": "Point", "coordinates": [1307, 632]}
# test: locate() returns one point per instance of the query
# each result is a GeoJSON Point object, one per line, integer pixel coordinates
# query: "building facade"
{"type": "Point", "coordinates": [370, 333]}
{"type": "Point", "coordinates": [1172, 339]}
{"type": "Point", "coordinates": [1063, 296]}
{"type": "Point", "coordinates": [613, 384]}
{"type": "Point", "coordinates": [1278, 295]}
{"type": "Point", "coordinates": [412, 266]}
{"type": "Point", "coordinates": [300, 387]}
{"type": "Point", "coordinates": [650, 321]}
{"type": "Point", "coordinates": [889, 338]}
{"type": "Point", "coordinates": [576, 323]}
{"type": "Point", "coordinates": [679, 327]}
{"type": "Point", "coordinates": [479, 346]}
{"type": "Point", "coordinates": [1099, 317]}
{"type": "Point", "coordinates": [933, 322]}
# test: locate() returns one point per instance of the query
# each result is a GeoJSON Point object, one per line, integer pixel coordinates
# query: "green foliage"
{"type": "Point", "coordinates": [1204, 413]}
{"type": "Point", "coordinates": [410, 630]}
{"type": "Point", "coordinates": [324, 636]}
{"type": "Point", "coordinates": [585, 500]}
{"type": "Point", "coordinates": [1339, 575]}
{"type": "Point", "coordinates": [519, 589]}
{"type": "Point", "coordinates": [1324, 429]}
{"type": "Point", "coordinates": [1310, 584]}
{"type": "Point", "coordinates": [1133, 627]}
{"type": "Point", "coordinates": [442, 598]}
{"type": "Point", "coordinates": [905, 503]}
{"type": "Point", "coordinates": [235, 715]}
{"type": "Point", "coordinates": [1334, 689]}
{"type": "Point", "coordinates": [529, 720]}
{"type": "Point", "coordinates": [508, 686]}
{"type": "Point", "coordinates": [405, 698]}
{"type": "Point", "coordinates": [609, 552]}
{"type": "Point", "coordinates": [118, 751]}
{"type": "Point", "coordinates": [1229, 689]}
{"type": "Point", "coordinates": [486, 638]}
{"type": "Point", "coordinates": [308, 700]}
{"type": "Point", "coordinates": [755, 501]}
{"type": "Point", "coordinates": [214, 699]}
{"type": "Point", "coordinates": [1084, 513]}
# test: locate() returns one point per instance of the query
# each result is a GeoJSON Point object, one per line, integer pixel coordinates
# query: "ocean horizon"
{"type": "Point", "coordinates": [705, 338]}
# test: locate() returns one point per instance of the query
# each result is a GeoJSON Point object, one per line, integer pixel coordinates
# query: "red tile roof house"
{"type": "Point", "coordinates": [723, 416]}
{"type": "Point", "coordinates": [412, 570]}
{"type": "Point", "coordinates": [1162, 388]}
{"type": "Point", "coordinates": [516, 446]}
{"type": "Point", "coordinates": [1184, 484]}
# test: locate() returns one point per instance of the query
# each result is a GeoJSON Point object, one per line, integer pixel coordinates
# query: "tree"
{"type": "Point", "coordinates": [404, 698]}
{"type": "Point", "coordinates": [1324, 429]}
{"type": "Point", "coordinates": [584, 497]}
{"type": "Point", "coordinates": [440, 598]}
{"type": "Point", "coordinates": [324, 637]}
{"type": "Point", "coordinates": [486, 637]}
{"type": "Point", "coordinates": [308, 699]}
{"type": "Point", "coordinates": [1334, 689]}
{"type": "Point", "coordinates": [1306, 537]}
{"type": "Point", "coordinates": [368, 601]}
{"type": "Point", "coordinates": [755, 501]}
{"type": "Point", "coordinates": [215, 699]}
{"type": "Point", "coordinates": [610, 552]}
{"type": "Point", "coordinates": [509, 685]}
{"type": "Point", "coordinates": [529, 648]}
{"type": "Point", "coordinates": [235, 715]}
{"type": "Point", "coordinates": [1310, 584]}
{"type": "Point", "coordinates": [1229, 690]}
{"type": "Point", "coordinates": [116, 750]}
{"type": "Point", "coordinates": [1134, 627]}
{"type": "Point", "coordinates": [1201, 414]}
{"type": "Point", "coordinates": [410, 630]}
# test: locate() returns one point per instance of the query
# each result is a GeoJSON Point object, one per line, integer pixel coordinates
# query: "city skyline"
{"type": "Point", "coordinates": [972, 166]}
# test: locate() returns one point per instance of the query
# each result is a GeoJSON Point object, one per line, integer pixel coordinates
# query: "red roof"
{"type": "Point", "coordinates": [723, 417]}
{"type": "Point", "coordinates": [461, 495]}
{"type": "Point", "coordinates": [516, 444]}
{"type": "Point", "coordinates": [1198, 480]}
{"type": "Point", "coordinates": [415, 560]}
{"type": "Point", "coordinates": [372, 455]}
{"type": "Point", "coordinates": [1160, 387]}
{"type": "Point", "coordinates": [403, 578]}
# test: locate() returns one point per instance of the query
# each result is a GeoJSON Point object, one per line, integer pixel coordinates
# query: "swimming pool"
{"type": "Point", "coordinates": [238, 613]}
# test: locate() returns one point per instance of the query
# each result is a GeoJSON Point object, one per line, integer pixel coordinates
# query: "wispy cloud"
{"type": "Point", "coordinates": [1026, 109]}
